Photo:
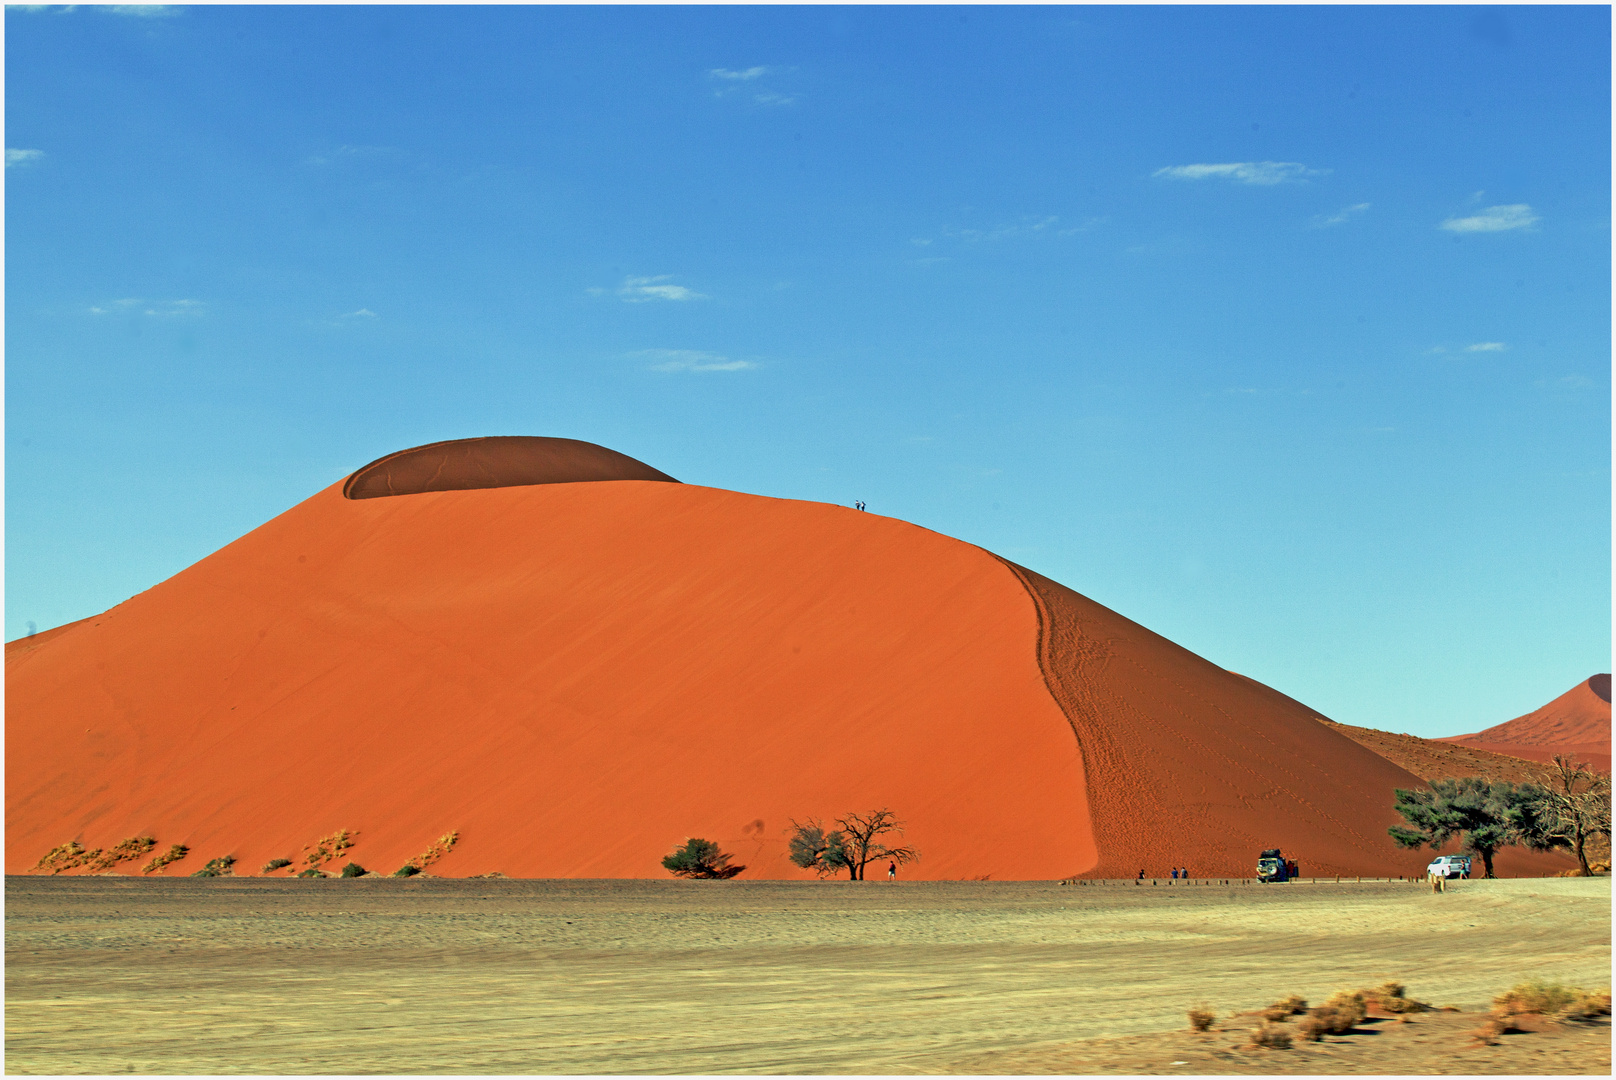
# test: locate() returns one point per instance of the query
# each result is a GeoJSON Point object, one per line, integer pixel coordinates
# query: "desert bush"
{"type": "Point", "coordinates": [1392, 998]}
{"type": "Point", "coordinates": [276, 864]}
{"type": "Point", "coordinates": [65, 857]}
{"type": "Point", "coordinates": [1201, 1019]}
{"type": "Point", "coordinates": [219, 867]}
{"type": "Point", "coordinates": [1487, 1034]}
{"type": "Point", "coordinates": [1590, 1003]}
{"type": "Point", "coordinates": [1535, 996]}
{"type": "Point", "coordinates": [1340, 1014]}
{"type": "Point", "coordinates": [407, 870]}
{"type": "Point", "coordinates": [174, 854]}
{"type": "Point", "coordinates": [124, 851]}
{"type": "Point", "coordinates": [1271, 1037]}
{"type": "Point", "coordinates": [312, 872]}
{"type": "Point", "coordinates": [700, 859]}
{"type": "Point", "coordinates": [353, 869]}
{"type": "Point", "coordinates": [1284, 1009]}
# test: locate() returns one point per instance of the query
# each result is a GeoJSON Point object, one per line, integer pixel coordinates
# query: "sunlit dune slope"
{"type": "Point", "coordinates": [576, 676]}
{"type": "Point", "coordinates": [1577, 723]}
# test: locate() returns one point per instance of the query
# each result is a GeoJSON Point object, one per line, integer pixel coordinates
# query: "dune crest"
{"type": "Point", "coordinates": [1576, 723]}
{"type": "Point", "coordinates": [492, 462]}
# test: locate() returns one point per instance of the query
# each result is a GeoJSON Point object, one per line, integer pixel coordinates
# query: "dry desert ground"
{"type": "Point", "coordinates": [246, 975]}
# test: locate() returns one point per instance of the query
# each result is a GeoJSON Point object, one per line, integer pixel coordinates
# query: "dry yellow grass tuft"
{"type": "Point", "coordinates": [435, 851]}
{"type": "Point", "coordinates": [65, 857]}
{"type": "Point", "coordinates": [328, 848]}
{"type": "Point", "coordinates": [124, 851]}
{"type": "Point", "coordinates": [1201, 1018]}
{"type": "Point", "coordinates": [1270, 1037]}
{"type": "Point", "coordinates": [174, 854]}
{"type": "Point", "coordinates": [1284, 1009]}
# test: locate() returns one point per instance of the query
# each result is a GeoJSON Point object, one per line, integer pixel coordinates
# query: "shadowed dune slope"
{"type": "Point", "coordinates": [574, 676]}
{"type": "Point", "coordinates": [1575, 723]}
{"type": "Point", "coordinates": [496, 461]}
{"type": "Point", "coordinates": [1217, 765]}
{"type": "Point", "coordinates": [578, 676]}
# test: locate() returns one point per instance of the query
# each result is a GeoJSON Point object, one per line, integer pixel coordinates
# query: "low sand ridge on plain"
{"type": "Point", "coordinates": [108, 975]}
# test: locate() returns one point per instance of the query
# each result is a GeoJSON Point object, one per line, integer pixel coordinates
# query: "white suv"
{"type": "Point", "coordinates": [1450, 866]}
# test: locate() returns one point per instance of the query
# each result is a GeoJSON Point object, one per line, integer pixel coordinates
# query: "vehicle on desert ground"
{"type": "Point", "coordinates": [1272, 866]}
{"type": "Point", "coordinates": [1450, 866]}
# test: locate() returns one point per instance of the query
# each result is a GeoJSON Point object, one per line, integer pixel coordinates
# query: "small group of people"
{"type": "Point", "coordinates": [858, 506]}
{"type": "Point", "coordinates": [1178, 872]}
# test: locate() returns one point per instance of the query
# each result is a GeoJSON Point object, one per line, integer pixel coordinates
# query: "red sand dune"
{"type": "Point", "coordinates": [578, 675]}
{"type": "Point", "coordinates": [1577, 723]}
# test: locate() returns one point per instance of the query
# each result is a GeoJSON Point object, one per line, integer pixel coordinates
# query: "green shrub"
{"type": "Point", "coordinates": [312, 872]}
{"type": "Point", "coordinates": [276, 864]}
{"type": "Point", "coordinates": [700, 859]}
{"type": "Point", "coordinates": [174, 854]}
{"type": "Point", "coordinates": [353, 869]}
{"type": "Point", "coordinates": [219, 867]}
{"type": "Point", "coordinates": [407, 870]}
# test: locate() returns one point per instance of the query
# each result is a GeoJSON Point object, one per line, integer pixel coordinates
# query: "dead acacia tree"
{"type": "Point", "coordinates": [1570, 808]}
{"type": "Point", "coordinates": [859, 842]}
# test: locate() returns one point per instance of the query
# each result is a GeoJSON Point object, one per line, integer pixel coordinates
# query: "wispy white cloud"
{"type": "Point", "coordinates": [1494, 219]}
{"type": "Point", "coordinates": [348, 319]}
{"type": "Point", "coordinates": [1026, 227]}
{"type": "Point", "coordinates": [691, 360]}
{"type": "Point", "coordinates": [639, 290]}
{"type": "Point", "coordinates": [136, 11]}
{"type": "Point", "coordinates": [1243, 172]}
{"type": "Point", "coordinates": [22, 157]}
{"type": "Point", "coordinates": [1341, 217]}
{"type": "Point", "coordinates": [1486, 346]}
{"type": "Point", "coordinates": [737, 80]}
{"type": "Point", "coordinates": [159, 308]}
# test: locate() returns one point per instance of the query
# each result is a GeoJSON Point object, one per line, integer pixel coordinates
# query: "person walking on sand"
{"type": "Point", "coordinates": [892, 871]}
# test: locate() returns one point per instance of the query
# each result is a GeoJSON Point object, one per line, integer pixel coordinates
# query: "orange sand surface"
{"type": "Point", "coordinates": [578, 676]}
{"type": "Point", "coordinates": [1575, 723]}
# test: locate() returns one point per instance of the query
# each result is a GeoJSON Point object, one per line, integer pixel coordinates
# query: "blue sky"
{"type": "Point", "coordinates": [1282, 331]}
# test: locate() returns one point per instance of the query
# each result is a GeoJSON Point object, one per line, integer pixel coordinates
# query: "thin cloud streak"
{"type": "Point", "coordinates": [691, 360]}
{"type": "Point", "coordinates": [1243, 172]}
{"type": "Point", "coordinates": [640, 290]}
{"type": "Point", "coordinates": [1494, 219]}
{"type": "Point", "coordinates": [1340, 218]}
{"type": "Point", "coordinates": [22, 157]}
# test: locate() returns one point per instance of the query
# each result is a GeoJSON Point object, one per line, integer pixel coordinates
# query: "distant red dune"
{"type": "Point", "coordinates": [577, 675]}
{"type": "Point", "coordinates": [1576, 723]}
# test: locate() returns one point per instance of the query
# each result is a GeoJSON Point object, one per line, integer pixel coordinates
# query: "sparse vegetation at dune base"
{"type": "Point", "coordinates": [1534, 1006]}
{"type": "Point", "coordinates": [700, 859]}
{"type": "Point", "coordinates": [852, 847]}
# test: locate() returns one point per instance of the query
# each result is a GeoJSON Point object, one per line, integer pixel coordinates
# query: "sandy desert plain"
{"type": "Point", "coordinates": [245, 975]}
